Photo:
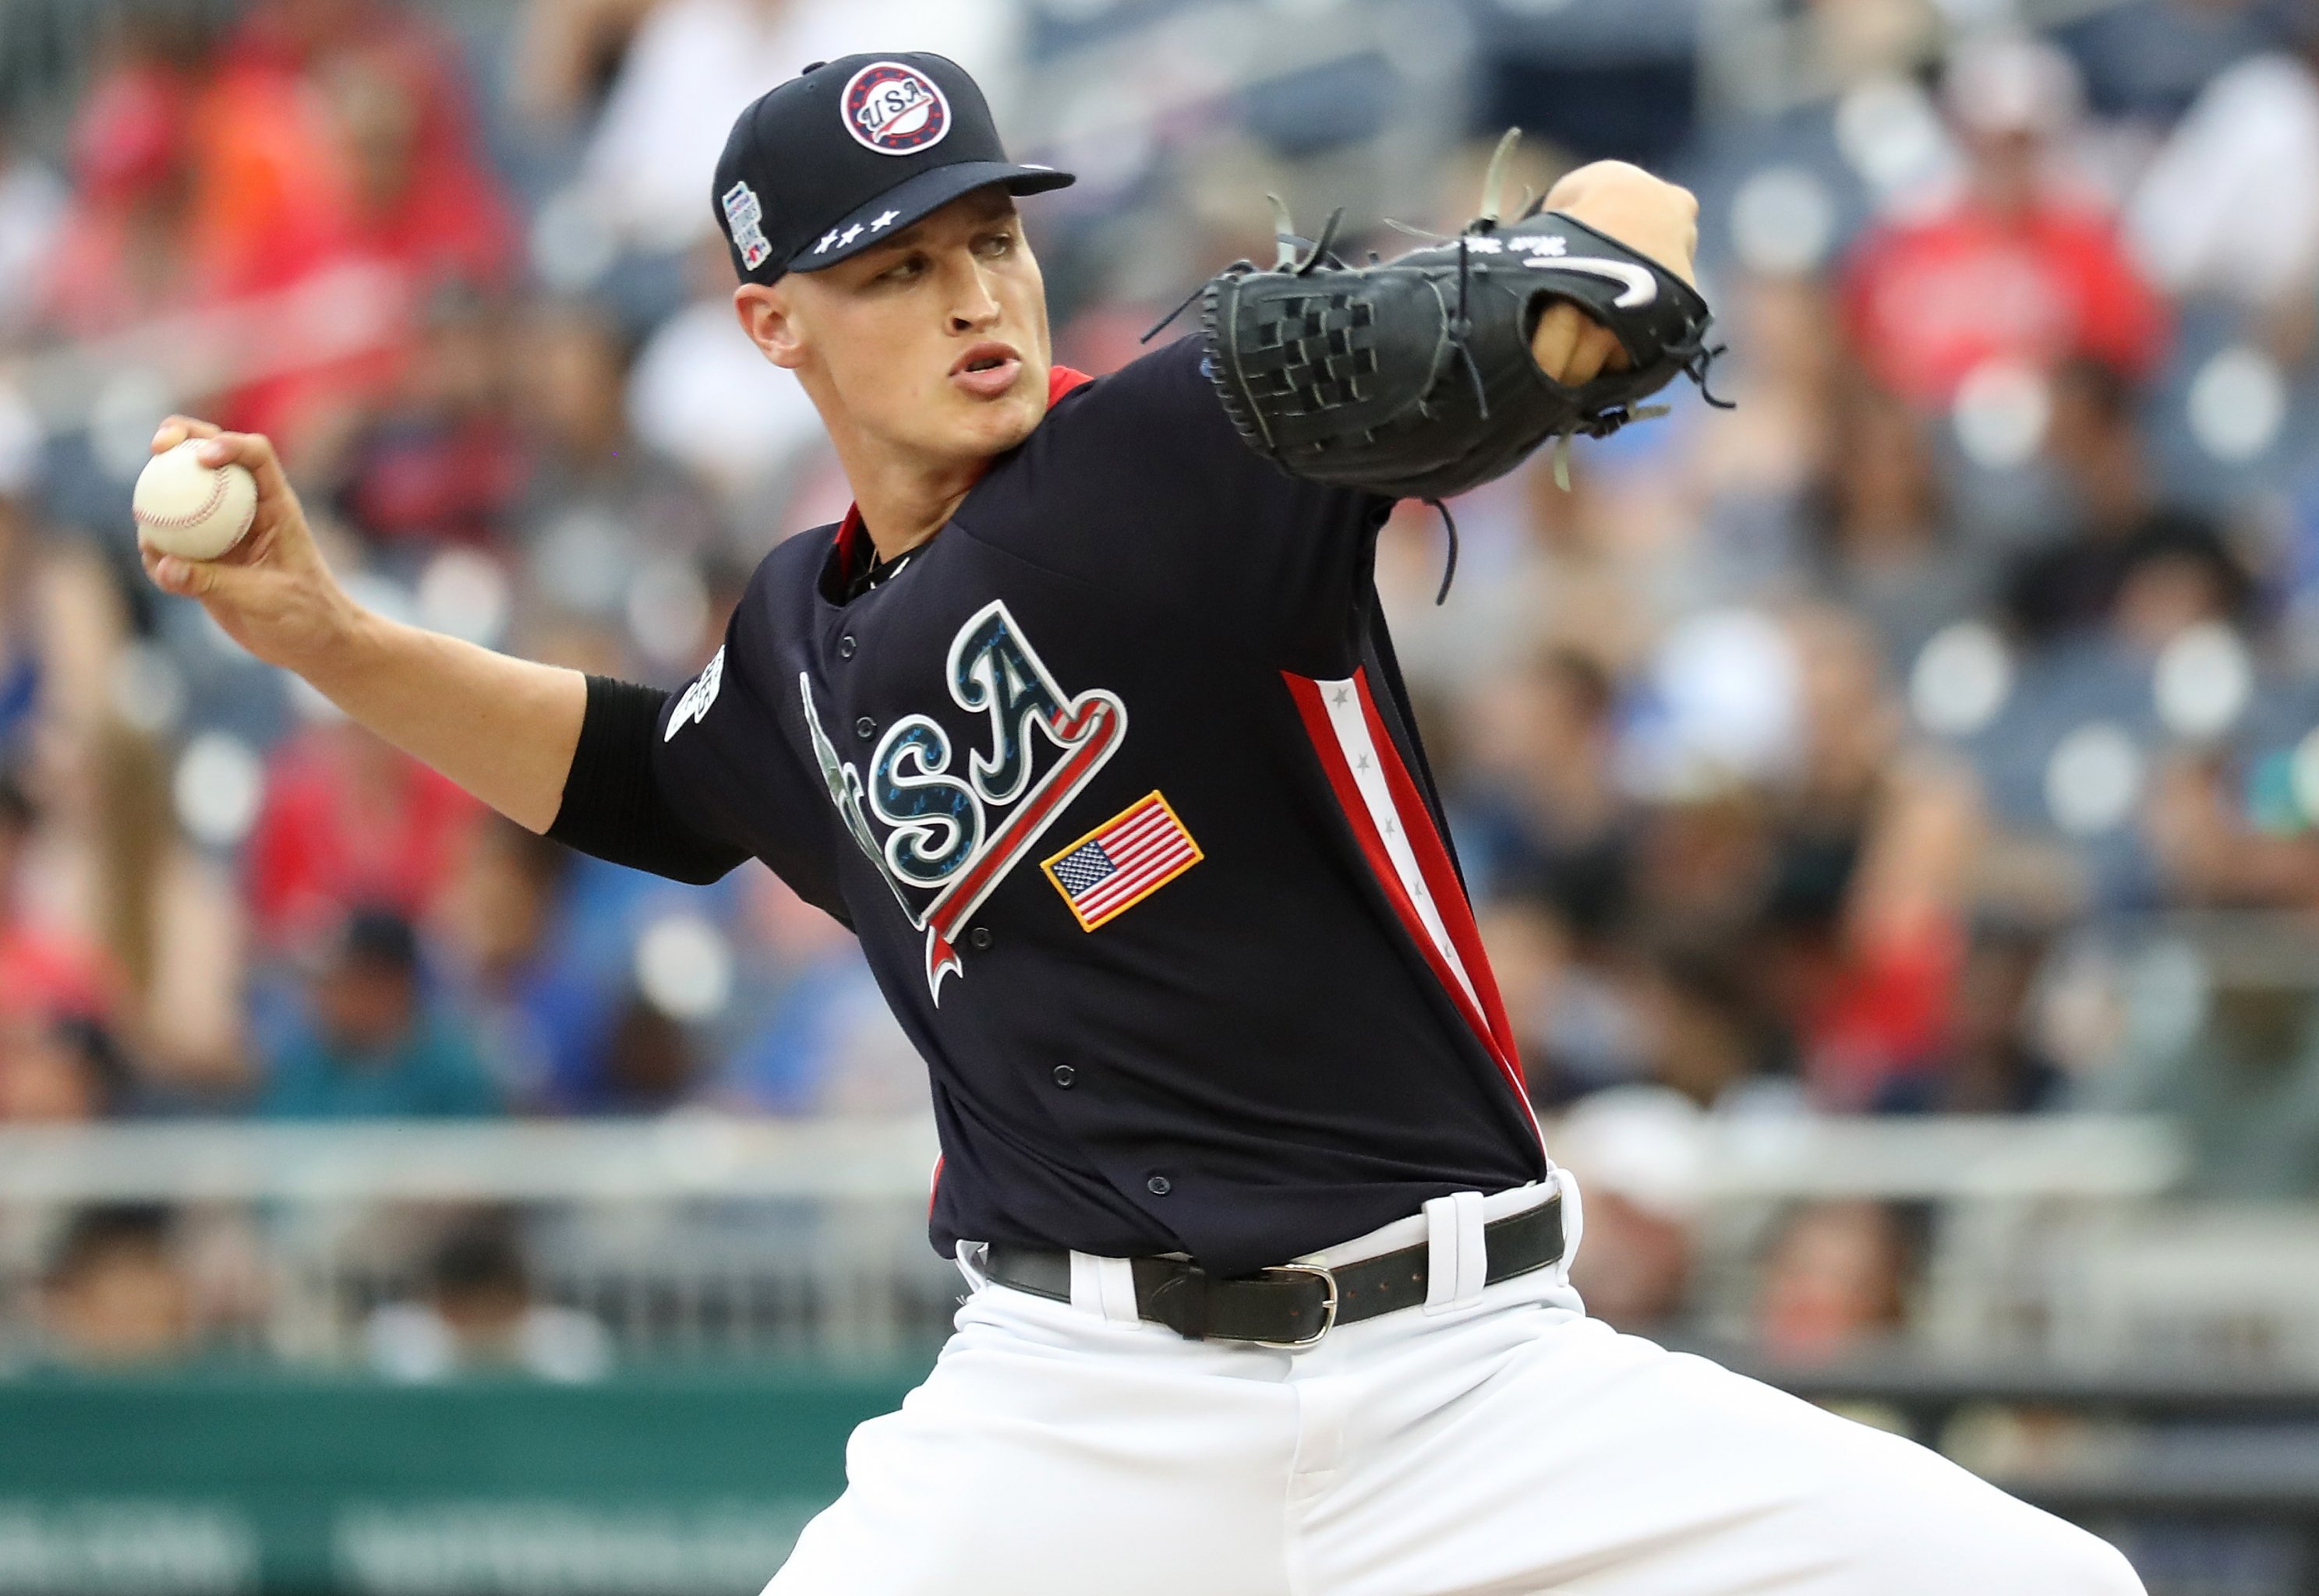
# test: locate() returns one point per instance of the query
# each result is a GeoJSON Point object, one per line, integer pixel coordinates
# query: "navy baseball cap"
{"type": "Point", "coordinates": [850, 151]}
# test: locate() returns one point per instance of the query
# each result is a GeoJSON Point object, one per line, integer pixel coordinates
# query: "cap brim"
{"type": "Point", "coordinates": [909, 202]}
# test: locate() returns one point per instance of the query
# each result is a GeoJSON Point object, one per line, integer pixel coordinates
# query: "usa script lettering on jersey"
{"type": "Point", "coordinates": [941, 835]}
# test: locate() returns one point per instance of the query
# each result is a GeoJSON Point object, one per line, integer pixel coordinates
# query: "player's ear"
{"type": "Point", "coordinates": [765, 316]}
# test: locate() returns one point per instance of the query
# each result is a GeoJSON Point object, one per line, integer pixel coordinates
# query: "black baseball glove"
{"type": "Point", "coordinates": [1413, 378]}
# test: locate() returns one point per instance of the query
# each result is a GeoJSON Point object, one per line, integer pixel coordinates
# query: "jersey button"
{"type": "Point", "coordinates": [1065, 1075]}
{"type": "Point", "coordinates": [980, 936]}
{"type": "Point", "coordinates": [845, 646]}
{"type": "Point", "coordinates": [1159, 1185]}
{"type": "Point", "coordinates": [864, 726]}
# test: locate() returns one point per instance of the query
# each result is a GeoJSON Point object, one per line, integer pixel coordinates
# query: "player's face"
{"type": "Point", "coordinates": [934, 344]}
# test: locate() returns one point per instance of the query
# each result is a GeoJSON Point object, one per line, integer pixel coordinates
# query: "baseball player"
{"type": "Point", "coordinates": [1084, 719]}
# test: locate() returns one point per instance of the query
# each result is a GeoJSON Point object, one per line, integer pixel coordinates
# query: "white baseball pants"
{"type": "Point", "coordinates": [1496, 1442]}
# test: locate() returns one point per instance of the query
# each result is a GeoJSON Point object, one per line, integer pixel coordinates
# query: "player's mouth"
{"type": "Point", "coordinates": [987, 370]}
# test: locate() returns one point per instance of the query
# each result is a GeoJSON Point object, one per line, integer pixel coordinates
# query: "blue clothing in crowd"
{"type": "Point", "coordinates": [434, 1071]}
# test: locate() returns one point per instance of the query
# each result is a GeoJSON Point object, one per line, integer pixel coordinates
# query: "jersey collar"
{"type": "Point", "coordinates": [850, 545]}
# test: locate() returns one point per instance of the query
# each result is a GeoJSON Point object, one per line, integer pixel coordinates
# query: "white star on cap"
{"type": "Point", "coordinates": [884, 222]}
{"type": "Point", "coordinates": [851, 233]}
{"type": "Point", "coordinates": [827, 239]}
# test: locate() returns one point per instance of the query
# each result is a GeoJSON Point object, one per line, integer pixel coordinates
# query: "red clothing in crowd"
{"type": "Point", "coordinates": [52, 974]}
{"type": "Point", "coordinates": [1882, 1019]}
{"type": "Point", "coordinates": [291, 160]}
{"type": "Point", "coordinates": [1926, 302]}
{"type": "Point", "coordinates": [348, 821]}
{"type": "Point", "coordinates": [360, 143]}
{"type": "Point", "coordinates": [130, 247]}
{"type": "Point", "coordinates": [353, 151]}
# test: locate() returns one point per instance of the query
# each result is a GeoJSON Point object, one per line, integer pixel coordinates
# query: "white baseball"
{"type": "Point", "coordinates": [190, 510]}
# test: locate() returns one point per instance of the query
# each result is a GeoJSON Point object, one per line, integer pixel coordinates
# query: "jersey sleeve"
{"type": "Point", "coordinates": [613, 807]}
{"type": "Point", "coordinates": [724, 764]}
{"type": "Point", "coordinates": [1145, 487]}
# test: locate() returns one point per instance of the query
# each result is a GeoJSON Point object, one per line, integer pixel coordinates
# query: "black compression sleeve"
{"type": "Point", "coordinates": [612, 805]}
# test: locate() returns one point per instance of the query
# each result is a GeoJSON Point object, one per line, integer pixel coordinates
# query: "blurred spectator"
{"type": "Point", "coordinates": [2210, 851]}
{"type": "Point", "coordinates": [2230, 207]}
{"type": "Point", "coordinates": [335, 138]}
{"type": "Point", "coordinates": [1711, 1035]}
{"type": "Point", "coordinates": [20, 573]}
{"type": "Point", "coordinates": [33, 204]}
{"type": "Point", "coordinates": [2122, 529]}
{"type": "Point", "coordinates": [1540, 809]}
{"type": "Point", "coordinates": [1995, 1061]}
{"type": "Point", "coordinates": [1863, 917]}
{"type": "Point", "coordinates": [1835, 1281]}
{"type": "Point", "coordinates": [830, 1044]}
{"type": "Point", "coordinates": [1884, 546]}
{"type": "Point", "coordinates": [702, 395]}
{"type": "Point", "coordinates": [440, 461]}
{"type": "Point", "coordinates": [693, 64]}
{"type": "Point", "coordinates": [652, 1061]}
{"type": "Point", "coordinates": [2147, 59]}
{"type": "Point", "coordinates": [602, 506]}
{"type": "Point", "coordinates": [2014, 268]}
{"type": "Point", "coordinates": [2241, 1085]}
{"type": "Point", "coordinates": [341, 126]}
{"type": "Point", "coordinates": [1855, 40]}
{"type": "Point", "coordinates": [345, 819]}
{"type": "Point", "coordinates": [1634, 1268]}
{"type": "Point", "coordinates": [480, 1316]}
{"type": "Point", "coordinates": [132, 243]}
{"type": "Point", "coordinates": [60, 1071]}
{"type": "Point", "coordinates": [47, 970]}
{"type": "Point", "coordinates": [373, 1044]}
{"type": "Point", "coordinates": [1569, 1000]}
{"type": "Point", "coordinates": [117, 1294]}
{"type": "Point", "coordinates": [568, 52]}
{"type": "Point", "coordinates": [1638, 1153]}
{"type": "Point", "coordinates": [545, 1017]}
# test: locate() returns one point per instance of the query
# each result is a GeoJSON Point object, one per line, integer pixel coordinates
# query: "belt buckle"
{"type": "Point", "coordinates": [1328, 1305]}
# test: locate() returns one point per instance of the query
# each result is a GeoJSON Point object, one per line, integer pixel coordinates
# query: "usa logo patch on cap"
{"type": "Point", "coordinates": [894, 109]}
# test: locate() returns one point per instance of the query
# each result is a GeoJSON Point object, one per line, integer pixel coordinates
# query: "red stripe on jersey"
{"type": "Point", "coordinates": [1441, 880]}
{"type": "Point", "coordinates": [1419, 827]}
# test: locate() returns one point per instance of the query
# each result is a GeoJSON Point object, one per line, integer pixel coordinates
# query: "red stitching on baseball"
{"type": "Point", "coordinates": [195, 517]}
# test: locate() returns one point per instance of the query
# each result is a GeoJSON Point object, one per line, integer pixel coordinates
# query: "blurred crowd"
{"type": "Point", "coordinates": [1891, 744]}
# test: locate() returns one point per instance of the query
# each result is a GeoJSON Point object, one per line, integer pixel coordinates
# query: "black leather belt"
{"type": "Point", "coordinates": [1288, 1304]}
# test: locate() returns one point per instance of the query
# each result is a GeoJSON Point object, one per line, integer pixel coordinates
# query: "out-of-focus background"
{"type": "Point", "coordinates": [1893, 804]}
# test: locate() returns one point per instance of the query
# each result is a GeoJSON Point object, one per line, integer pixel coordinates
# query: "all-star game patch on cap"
{"type": "Point", "coordinates": [851, 151]}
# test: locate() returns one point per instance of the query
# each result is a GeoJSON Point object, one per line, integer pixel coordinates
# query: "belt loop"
{"type": "Point", "coordinates": [1457, 1262]}
{"type": "Point", "coordinates": [970, 1256]}
{"type": "Point", "coordinates": [1103, 1287]}
{"type": "Point", "coordinates": [1574, 1219]}
{"type": "Point", "coordinates": [1472, 1249]}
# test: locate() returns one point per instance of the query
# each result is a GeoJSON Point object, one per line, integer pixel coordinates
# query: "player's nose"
{"type": "Point", "coordinates": [974, 305]}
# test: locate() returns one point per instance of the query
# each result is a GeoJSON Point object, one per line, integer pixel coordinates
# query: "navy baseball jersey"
{"type": "Point", "coordinates": [1114, 778]}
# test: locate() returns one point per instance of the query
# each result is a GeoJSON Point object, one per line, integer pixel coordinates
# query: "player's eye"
{"type": "Point", "coordinates": [909, 268]}
{"type": "Point", "coordinates": [997, 244]}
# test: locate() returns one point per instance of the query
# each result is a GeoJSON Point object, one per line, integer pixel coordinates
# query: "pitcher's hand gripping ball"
{"type": "Point", "coordinates": [193, 510]}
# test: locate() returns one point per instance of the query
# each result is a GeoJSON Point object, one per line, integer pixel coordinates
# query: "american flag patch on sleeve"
{"type": "Point", "coordinates": [1122, 862]}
